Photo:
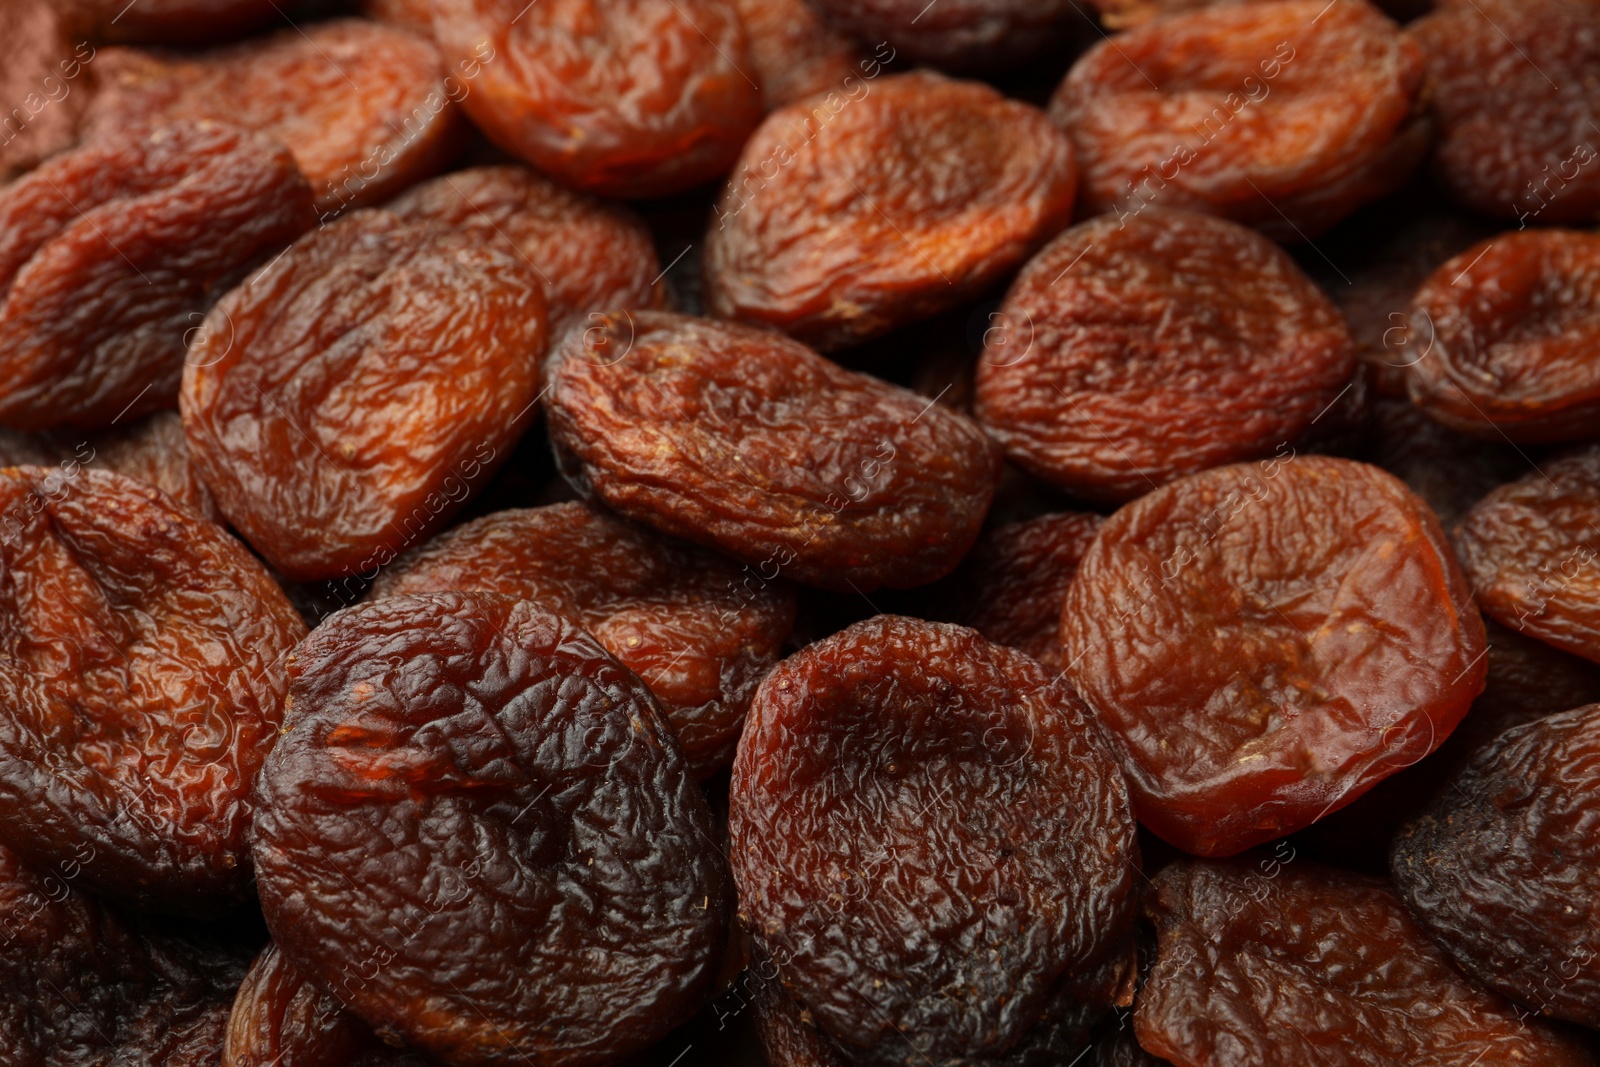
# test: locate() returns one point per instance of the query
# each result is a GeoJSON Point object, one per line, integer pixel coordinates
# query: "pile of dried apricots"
{"type": "Point", "coordinates": [896, 533]}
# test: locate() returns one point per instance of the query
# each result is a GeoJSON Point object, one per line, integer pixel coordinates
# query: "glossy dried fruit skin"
{"type": "Point", "coordinates": [1267, 641]}
{"type": "Point", "coordinates": [749, 443]}
{"type": "Point", "coordinates": [901, 850]}
{"type": "Point", "coordinates": [789, 1035]}
{"type": "Point", "coordinates": [1267, 962]}
{"type": "Point", "coordinates": [141, 678]}
{"type": "Point", "coordinates": [1530, 550]}
{"type": "Point", "coordinates": [589, 255]}
{"type": "Point", "coordinates": [479, 833]}
{"type": "Point", "coordinates": [625, 98]}
{"type": "Point", "coordinates": [795, 52]}
{"type": "Point", "coordinates": [44, 83]}
{"type": "Point", "coordinates": [1448, 469]}
{"type": "Point", "coordinates": [958, 34]}
{"type": "Point", "coordinates": [1129, 353]}
{"type": "Point", "coordinates": [873, 207]}
{"type": "Point", "coordinates": [364, 107]}
{"type": "Point", "coordinates": [1504, 336]}
{"type": "Point", "coordinates": [342, 405]}
{"type": "Point", "coordinates": [683, 619]}
{"type": "Point", "coordinates": [1515, 105]}
{"type": "Point", "coordinates": [111, 254]}
{"type": "Point", "coordinates": [1281, 116]}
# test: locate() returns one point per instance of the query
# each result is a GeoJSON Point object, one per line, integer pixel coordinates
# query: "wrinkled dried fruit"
{"type": "Point", "coordinates": [365, 108]}
{"type": "Point", "coordinates": [698, 631]}
{"type": "Point", "coordinates": [1269, 962]}
{"type": "Point", "coordinates": [752, 444]}
{"type": "Point", "coordinates": [343, 405]}
{"type": "Point", "coordinates": [854, 213]}
{"type": "Point", "coordinates": [796, 53]}
{"type": "Point", "coordinates": [1267, 641]}
{"type": "Point", "coordinates": [140, 683]}
{"type": "Point", "coordinates": [1516, 108]}
{"type": "Point", "coordinates": [789, 1035]}
{"type": "Point", "coordinates": [1501, 868]}
{"type": "Point", "coordinates": [479, 833]}
{"type": "Point", "coordinates": [1532, 553]}
{"type": "Point", "coordinates": [110, 256]}
{"type": "Point", "coordinates": [589, 255]}
{"type": "Point", "coordinates": [44, 83]}
{"type": "Point", "coordinates": [1129, 353]}
{"type": "Point", "coordinates": [1504, 338]}
{"type": "Point", "coordinates": [959, 34]}
{"type": "Point", "coordinates": [903, 852]}
{"type": "Point", "coordinates": [628, 98]}
{"type": "Point", "coordinates": [1449, 470]}
{"type": "Point", "coordinates": [1282, 116]}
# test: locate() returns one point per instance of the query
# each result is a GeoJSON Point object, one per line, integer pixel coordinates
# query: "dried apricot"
{"type": "Point", "coordinates": [882, 203]}
{"type": "Point", "coordinates": [44, 83]}
{"type": "Point", "coordinates": [1282, 116]}
{"type": "Point", "coordinates": [413, 15]}
{"type": "Point", "coordinates": [479, 833]}
{"type": "Point", "coordinates": [629, 98]}
{"type": "Point", "coordinates": [959, 34]}
{"type": "Point", "coordinates": [789, 1037]}
{"type": "Point", "coordinates": [796, 53]}
{"type": "Point", "coordinates": [342, 405]}
{"type": "Point", "coordinates": [111, 254]}
{"type": "Point", "coordinates": [141, 678]}
{"type": "Point", "coordinates": [752, 444]}
{"type": "Point", "coordinates": [1267, 641]}
{"type": "Point", "coordinates": [902, 852]}
{"type": "Point", "coordinates": [1129, 353]}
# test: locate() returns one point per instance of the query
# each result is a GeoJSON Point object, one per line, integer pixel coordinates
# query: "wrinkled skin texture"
{"type": "Point", "coordinates": [342, 405]}
{"type": "Point", "coordinates": [1501, 869]}
{"type": "Point", "coordinates": [1292, 963]}
{"type": "Point", "coordinates": [882, 203]}
{"type": "Point", "coordinates": [44, 82]}
{"type": "Point", "coordinates": [1267, 641]}
{"type": "Point", "coordinates": [796, 52]}
{"type": "Point", "coordinates": [901, 847]}
{"type": "Point", "coordinates": [141, 671]}
{"type": "Point", "coordinates": [681, 618]}
{"type": "Point", "coordinates": [1281, 116]}
{"type": "Point", "coordinates": [363, 107]}
{"type": "Point", "coordinates": [958, 34]}
{"type": "Point", "coordinates": [1515, 104]}
{"type": "Point", "coordinates": [111, 254]}
{"type": "Point", "coordinates": [1131, 353]}
{"type": "Point", "coordinates": [1532, 553]}
{"type": "Point", "coordinates": [473, 804]}
{"type": "Point", "coordinates": [749, 443]}
{"type": "Point", "coordinates": [1504, 337]}
{"type": "Point", "coordinates": [789, 1035]}
{"type": "Point", "coordinates": [589, 255]}
{"type": "Point", "coordinates": [1449, 470]}
{"type": "Point", "coordinates": [625, 98]}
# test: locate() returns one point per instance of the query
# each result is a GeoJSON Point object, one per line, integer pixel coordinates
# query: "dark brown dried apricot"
{"type": "Point", "coordinates": [342, 405]}
{"type": "Point", "coordinates": [687, 621]}
{"type": "Point", "coordinates": [589, 255]}
{"type": "Point", "coordinates": [752, 444]}
{"type": "Point", "coordinates": [882, 203]}
{"type": "Point", "coordinates": [44, 83]}
{"type": "Point", "coordinates": [628, 98]}
{"type": "Point", "coordinates": [1449, 470]}
{"type": "Point", "coordinates": [111, 254]}
{"type": "Point", "coordinates": [479, 833]}
{"type": "Point", "coordinates": [796, 53]}
{"type": "Point", "coordinates": [1269, 962]}
{"type": "Point", "coordinates": [1129, 353]}
{"type": "Point", "coordinates": [959, 34]}
{"type": "Point", "coordinates": [1265, 642]}
{"type": "Point", "coordinates": [903, 853]}
{"type": "Point", "coordinates": [140, 683]}
{"type": "Point", "coordinates": [1283, 116]}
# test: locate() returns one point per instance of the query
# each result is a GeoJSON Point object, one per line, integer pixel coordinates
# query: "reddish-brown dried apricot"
{"type": "Point", "coordinates": [1449, 470]}
{"type": "Point", "coordinates": [140, 683]}
{"type": "Point", "coordinates": [687, 621]}
{"type": "Point", "coordinates": [1131, 353]}
{"type": "Point", "coordinates": [959, 34]}
{"type": "Point", "coordinates": [750, 443]}
{"type": "Point", "coordinates": [1282, 116]}
{"type": "Point", "coordinates": [1268, 641]}
{"type": "Point", "coordinates": [413, 15]}
{"type": "Point", "coordinates": [1504, 335]}
{"type": "Point", "coordinates": [1292, 963]}
{"type": "Point", "coordinates": [110, 256]}
{"type": "Point", "coordinates": [882, 203]}
{"type": "Point", "coordinates": [342, 404]}
{"type": "Point", "coordinates": [44, 83]}
{"type": "Point", "coordinates": [589, 255]}
{"type": "Point", "coordinates": [1532, 552]}
{"type": "Point", "coordinates": [904, 855]}
{"type": "Point", "coordinates": [365, 108]}
{"type": "Point", "coordinates": [628, 98]}
{"type": "Point", "coordinates": [479, 833]}
{"type": "Point", "coordinates": [796, 53]}
{"type": "Point", "coordinates": [1515, 103]}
